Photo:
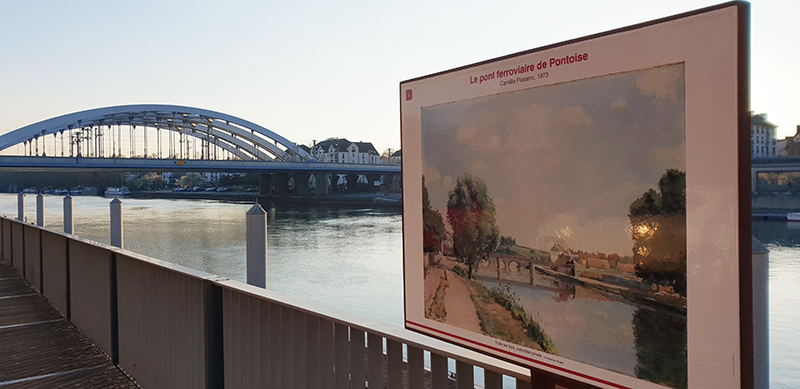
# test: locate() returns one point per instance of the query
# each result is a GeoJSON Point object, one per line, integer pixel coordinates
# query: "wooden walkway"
{"type": "Point", "coordinates": [39, 348]}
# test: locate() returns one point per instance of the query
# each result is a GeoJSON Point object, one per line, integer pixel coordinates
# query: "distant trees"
{"type": "Point", "coordinates": [507, 241]}
{"type": "Point", "coordinates": [433, 232]}
{"type": "Point", "coordinates": [241, 179]}
{"type": "Point", "coordinates": [471, 214]}
{"type": "Point", "coordinates": [151, 181]}
{"type": "Point", "coordinates": [191, 180]}
{"type": "Point", "coordinates": [658, 229]}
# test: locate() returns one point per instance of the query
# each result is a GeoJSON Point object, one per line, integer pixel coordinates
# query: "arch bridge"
{"type": "Point", "coordinates": [122, 132]}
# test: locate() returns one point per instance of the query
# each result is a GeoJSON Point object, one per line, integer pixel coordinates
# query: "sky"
{"type": "Point", "coordinates": [317, 69]}
{"type": "Point", "coordinates": [573, 156]}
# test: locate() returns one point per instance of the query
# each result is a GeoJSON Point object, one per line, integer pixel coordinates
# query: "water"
{"type": "Point", "coordinates": [351, 259]}
{"type": "Point", "coordinates": [783, 241]}
{"type": "Point", "coordinates": [601, 329]}
{"type": "Point", "coordinates": [348, 259]}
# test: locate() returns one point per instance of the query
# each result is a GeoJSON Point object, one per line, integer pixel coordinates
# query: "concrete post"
{"type": "Point", "coordinates": [116, 222]}
{"type": "Point", "coordinates": [40, 210]}
{"type": "Point", "coordinates": [760, 314]}
{"type": "Point", "coordinates": [21, 207]}
{"type": "Point", "coordinates": [69, 224]}
{"type": "Point", "coordinates": [257, 246]}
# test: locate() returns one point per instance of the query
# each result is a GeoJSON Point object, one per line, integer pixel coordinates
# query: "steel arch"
{"type": "Point", "coordinates": [243, 138]}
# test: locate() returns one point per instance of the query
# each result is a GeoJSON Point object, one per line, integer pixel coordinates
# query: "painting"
{"type": "Point", "coordinates": [554, 218]}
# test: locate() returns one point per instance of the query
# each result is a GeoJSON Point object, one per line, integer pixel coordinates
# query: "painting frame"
{"type": "Point", "coordinates": [712, 45]}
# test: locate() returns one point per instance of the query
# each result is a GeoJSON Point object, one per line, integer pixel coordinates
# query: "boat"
{"type": "Point", "coordinates": [117, 192]}
{"type": "Point", "coordinates": [793, 216]}
{"type": "Point", "coordinates": [60, 192]}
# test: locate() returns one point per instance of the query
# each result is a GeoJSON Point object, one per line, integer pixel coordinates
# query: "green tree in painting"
{"type": "Point", "coordinates": [658, 229]}
{"type": "Point", "coordinates": [660, 342]}
{"type": "Point", "coordinates": [471, 214]}
{"type": "Point", "coordinates": [433, 231]}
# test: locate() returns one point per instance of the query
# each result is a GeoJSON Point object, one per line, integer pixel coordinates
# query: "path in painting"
{"type": "Point", "coordinates": [460, 308]}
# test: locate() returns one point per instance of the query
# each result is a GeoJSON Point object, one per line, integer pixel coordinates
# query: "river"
{"type": "Point", "coordinates": [351, 259]}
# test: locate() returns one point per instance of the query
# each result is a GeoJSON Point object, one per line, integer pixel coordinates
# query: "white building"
{"type": "Point", "coordinates": [762, 137]}
{"type": "Point", "coordinates": [340, 150]}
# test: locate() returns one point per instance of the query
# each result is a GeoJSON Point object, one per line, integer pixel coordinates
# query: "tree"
{"type": "Point", "coordinates": [507, 241]}
{"type": "Point", "coordinates": [658, 229]}
{"type": "Point", "coordinates": [433, 232]}
{"type": "Point", "coordinates": [151, 181]}
{"type": "Point", "coordinates": [191, 180]}
{"type": "Point", "coordinates": [471, 214]}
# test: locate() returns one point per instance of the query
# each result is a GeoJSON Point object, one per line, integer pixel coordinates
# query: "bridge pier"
{"type": "Point", "coordinates": [301, 184]}
{"type": "Point", "coordinates": [371, 178]}
{"type": "Point", "coordinates": [396, 183]}
{"type": "Point", "coordinates": [323, 184]}
{"type": "Point", "coordinates": [351, 183]}
{"type": "Point", "coordinates": [281, 183]}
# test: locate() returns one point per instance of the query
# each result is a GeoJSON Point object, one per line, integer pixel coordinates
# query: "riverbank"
{"type": "Point", "coordinates": [453, 299]}
{"type": "Point", "coordinates": [773, 214]}
{"type": "Point", "coordinates": [669, 301]}
{"type": "Point", "coordinates": [388, 200]}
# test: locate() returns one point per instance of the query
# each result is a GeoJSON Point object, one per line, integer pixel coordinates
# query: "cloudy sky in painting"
{"type": "Point", "coordinates": [564, 162]}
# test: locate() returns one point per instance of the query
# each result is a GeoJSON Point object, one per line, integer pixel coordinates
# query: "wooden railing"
{"type": "Point", "coordinates": [171, 326]}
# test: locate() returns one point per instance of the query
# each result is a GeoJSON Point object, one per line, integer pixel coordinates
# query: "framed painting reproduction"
{"type": "Point", "coordinates": [583, 208]}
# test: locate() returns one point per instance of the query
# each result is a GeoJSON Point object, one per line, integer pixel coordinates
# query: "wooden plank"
{"type": "Point", "coordinates": [276, 346]}
{"type": "Point", "coordinates": [358, 358]}
{"type": "Point", "coordinates": [264, 344]}
{"type": "Point", "coordinates": [416, 367]}
{"type": "Point", "coordinates": [252, 329]}
{"type": "Point", "coordinates": [465, 375]}
{"type": "Point", "coordinates": [394, 364]}
{"type": "Point", "coordinates": [313, 352]}
{"type": "Point", "coordinates": [375, 360]}
{"type": "Point", "coordinates": [439, 372]}
{"type": "Point", "coordinates": [342, 345]}
{"type": "Point", "coordinates": [327, 354]}
{"type": "Point", "coordinates": [19, 310]}
{"type": "Point", "coordinates": [287, 344]}
{"type": "Point", "coordinates": [492, 380]}
{"type": "Point", "coordinates": [300, 353]}
{"type": "Point", "coordinates": [40, 348]}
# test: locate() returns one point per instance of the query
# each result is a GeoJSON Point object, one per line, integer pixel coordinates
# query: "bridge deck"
{"type": "Point", "coordinates": [41, 349]}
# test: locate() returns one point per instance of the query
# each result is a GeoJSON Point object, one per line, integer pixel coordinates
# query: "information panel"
{"type": "Point", "coordinates": [577, 208]}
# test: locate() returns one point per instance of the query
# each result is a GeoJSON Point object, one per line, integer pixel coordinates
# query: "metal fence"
{"type": "Point", "coordinates": [171, 326]}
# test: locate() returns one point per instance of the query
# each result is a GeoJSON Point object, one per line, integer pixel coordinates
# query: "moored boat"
{"type": "Point", "coordinates": [117, 192]}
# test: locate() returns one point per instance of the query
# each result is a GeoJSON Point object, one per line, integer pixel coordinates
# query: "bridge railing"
{"type": "Point", "coordinates": [171, 326]}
